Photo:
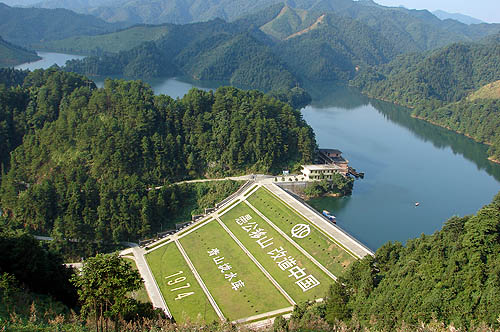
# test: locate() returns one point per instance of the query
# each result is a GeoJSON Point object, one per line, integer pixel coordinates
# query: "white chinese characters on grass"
{"type": "Point", "coordinates": [300, 231]}
{"type": "Point", "coordinates": [307, 283]}
{"type": "Point", "coordinates": [279, 255]}
{"type": "Point", "coordinates": [237, 284]}
{"type": "Point", "coordinates": [254, 231]}
{"type": "Point", "coordinates": [224, 267]}
{"type": "Point", "coordinates": [213, 252]}
{"type": "Point", "coordinates": [288, 263]}
{"type": "Point", "coordinates": [243, 219]}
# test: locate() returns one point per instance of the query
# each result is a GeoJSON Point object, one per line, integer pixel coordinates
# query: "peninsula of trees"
{"type": "Point", "coordinates": [78, 161]}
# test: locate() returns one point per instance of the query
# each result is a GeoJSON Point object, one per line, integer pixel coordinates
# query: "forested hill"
{"type": "Point", "coordinates": [12, 55]}
{"type": "Point", "coordinates": [437, 85]}
{"type": "Point", "coordinates": [451, 277]}
{"type": "Point", "coordinates": [248, 52]}
{"type": "Point", "coordinates": [83, 158]}
{"type": "Point", "coordinates": [30, 26]}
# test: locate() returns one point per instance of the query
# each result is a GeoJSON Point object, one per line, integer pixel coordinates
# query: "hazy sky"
{"type": "Point", "coordinates": [485, 10]}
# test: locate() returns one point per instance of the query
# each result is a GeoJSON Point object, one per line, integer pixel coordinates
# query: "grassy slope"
{"type": "Point", "coordinates": [112, 42]}
{"type": "Point", "coordinates": [326, 251]}
{"type": "Point", "coordinates": [288, 283]}
{"type": "Point", "coordinates": [489, 91]}
{"type": "Point", "coordinates": [256, 297]}
{"type": "Point", "coordinates": [287, 22]}
{"type": "Point", "coordinates": [166, 261]}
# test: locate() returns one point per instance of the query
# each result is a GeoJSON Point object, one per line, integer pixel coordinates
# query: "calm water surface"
{"type": "Point", "coordinates": [405, 160]}
{"type": "Point", "coordinates": [48, 60]}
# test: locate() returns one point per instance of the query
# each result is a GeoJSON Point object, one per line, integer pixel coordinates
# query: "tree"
{"type": "Point", "coordinates": [103, 285]}
{"type": "Point", "coordinates": [336, 304]}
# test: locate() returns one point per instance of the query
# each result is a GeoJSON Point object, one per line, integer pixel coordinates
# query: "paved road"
{"type": "Point", "coordinates": [264, 315]}
{"type": "Point", "coordinates": [149, 281]}
{"type": "Point", "coordinates": [334, 231]}
{"type": "Point", "coordinates": [234, 178]}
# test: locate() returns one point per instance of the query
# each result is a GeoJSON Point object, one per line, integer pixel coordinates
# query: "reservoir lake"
{"type": "Point", "coordinates": [405, 161]}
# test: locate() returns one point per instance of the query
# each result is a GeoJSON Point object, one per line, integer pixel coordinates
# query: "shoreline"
{"type": "Point", "coordinates": [493, 160]}
{"type": "Point", "coordinates": [439, 125]}
{"type": "Point", "coordinates": [448, 128]}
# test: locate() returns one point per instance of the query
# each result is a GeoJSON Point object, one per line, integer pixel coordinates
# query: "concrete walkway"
{"type": "Point", "coordinates": [200, 281]}
{"type": "Point", "coordinates": [334, 231]}
{"type": "Point", "coordinates": [264, 315]}
{"type": "Point", "coordinates": [149, 281]}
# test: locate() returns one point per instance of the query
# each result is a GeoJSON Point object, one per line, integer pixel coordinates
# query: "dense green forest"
{"type": "Point", "coordinates": [114, 143]}
{"type": "Point", "coordinates": [437, 86]}
{"type": "Point", "coordinates": [12, 55]}
{"type": "Point", "coordinates": [275, 48]}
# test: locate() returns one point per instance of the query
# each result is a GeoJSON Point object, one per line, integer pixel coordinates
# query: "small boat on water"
{"type": "Point", "coordinates": [330, 216]}
{"type": "Point", "coordinates": [417, 203]}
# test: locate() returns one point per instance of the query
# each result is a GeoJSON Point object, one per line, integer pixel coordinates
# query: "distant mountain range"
{"type": "Point", "coordinates": [273, 47]}
{"type": "Point", "coordinates": [456, 16]}
{"type": "Point", "coordinates": [27, 26]}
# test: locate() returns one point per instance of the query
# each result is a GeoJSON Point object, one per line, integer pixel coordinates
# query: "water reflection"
{"type": "Point", "coordinates": [439, 137]}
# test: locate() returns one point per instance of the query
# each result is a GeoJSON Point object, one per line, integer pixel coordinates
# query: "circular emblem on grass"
{"type": "Point", "coordinates": [300, 231]}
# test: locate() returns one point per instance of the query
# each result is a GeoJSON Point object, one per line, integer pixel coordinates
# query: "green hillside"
{"type": "Point", "coordinates": [268, 50]}
{"type": "Point", "coordinates": [288, 22]}
{"type": "Point", "coordinates": [333, 48]}
{"type": "Point", "coordinates": [412, 30]}
{"type": "Point", "coordinates": [437, 86]}
{"type": "Point", "coordinates": [445, 75]}
{"type": "Point", "coordinates": [112, 42]}
{"type": "Point", "coordinates": [12, 55]}
{"type": "Point", "coordinates": [31, 26]}
{"type": "Point", "coordinates": [213, 50]}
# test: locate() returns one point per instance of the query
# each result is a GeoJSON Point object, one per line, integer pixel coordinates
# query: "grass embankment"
{"type": "Point", "coordinates": [258, 296]}
{"type": "Point", "coordinates": [140, 295]}
{"type": "Point", "coordinates": [167, 261]}
{"type": "Point", "coordinates": [281, 276]}
{"type": "Point", "coordinates": [320, 246]}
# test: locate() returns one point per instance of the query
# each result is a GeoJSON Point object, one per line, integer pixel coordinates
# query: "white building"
{"type": "Point", "coordinates": [319, 172]}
